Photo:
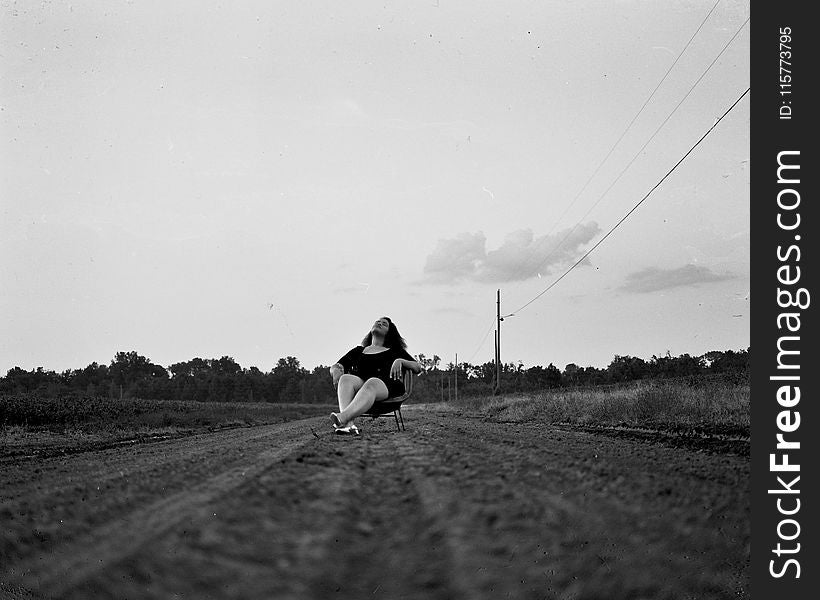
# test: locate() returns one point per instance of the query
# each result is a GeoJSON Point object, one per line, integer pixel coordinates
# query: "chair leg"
{"type": "Point", "coordinates": [402, 420]}
{"type": "Point", "coordinates": [395, 416]}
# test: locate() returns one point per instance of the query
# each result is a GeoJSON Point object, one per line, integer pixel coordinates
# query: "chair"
{"type": "Point", "coordinates": [383, 408]}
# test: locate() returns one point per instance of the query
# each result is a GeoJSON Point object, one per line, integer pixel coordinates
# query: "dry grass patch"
{"type": "Point", "coordinates": [708, 407]}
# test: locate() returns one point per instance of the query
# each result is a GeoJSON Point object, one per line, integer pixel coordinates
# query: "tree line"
{"type": "Point", "coordinates": [223, 380]}
{"type": "Point", "coordinates": [475, 380]}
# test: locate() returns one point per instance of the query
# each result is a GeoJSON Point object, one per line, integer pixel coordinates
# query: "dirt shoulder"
{"type": "Point", "coordinates": [455, 507]}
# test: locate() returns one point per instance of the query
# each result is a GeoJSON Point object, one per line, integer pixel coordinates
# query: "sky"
{"type": "Point", "coordinates": [265, 179]}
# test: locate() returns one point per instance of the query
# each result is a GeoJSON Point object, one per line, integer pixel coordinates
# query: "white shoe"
{"type": "Point", "coordinates": [347, 430]}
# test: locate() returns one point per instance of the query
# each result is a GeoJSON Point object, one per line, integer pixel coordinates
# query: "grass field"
{"type": "Point", "coordinates": [97, 413]}
{"type": "Point", "coordinates": [707, 406]}
{"type": "Point", "coordinates": [30, 423]}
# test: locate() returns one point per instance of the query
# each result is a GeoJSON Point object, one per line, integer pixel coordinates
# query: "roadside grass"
{"type": "Point", "coordinates": [31, 423]}
{"type": "Point", "coordinates": [708, 407]}
{"type": "Point", "coordinates": [88, 413]}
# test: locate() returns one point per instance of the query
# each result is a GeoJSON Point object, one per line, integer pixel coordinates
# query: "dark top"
{"type": "Point", "coordinates": [365, 366]}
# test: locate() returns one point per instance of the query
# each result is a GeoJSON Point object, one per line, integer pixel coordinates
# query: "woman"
{"type": "Point", "coordinates": [370, 373]}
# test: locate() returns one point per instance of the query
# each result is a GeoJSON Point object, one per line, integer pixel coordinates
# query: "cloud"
{"type": "Point", "coordinates": [520, 257]}
{"type": "Point", "coordinates": [653, 279]}
{"type": "Point", "coordinates": [455, 259]}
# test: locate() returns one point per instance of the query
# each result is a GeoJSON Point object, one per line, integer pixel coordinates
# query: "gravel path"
{"type": "Point", "coordinates": [455, 507]}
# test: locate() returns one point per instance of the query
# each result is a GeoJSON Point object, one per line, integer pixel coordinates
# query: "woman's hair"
{"type": "Point", "coordinates": [392, 339]}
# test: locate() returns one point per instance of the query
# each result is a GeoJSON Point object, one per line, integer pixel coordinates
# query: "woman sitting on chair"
{"type": "Point", "coordinates": [370, 373]}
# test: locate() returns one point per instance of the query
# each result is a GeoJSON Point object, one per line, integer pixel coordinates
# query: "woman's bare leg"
{"type": "Point", "coordinates": [372, 390]}
{"type": "Point", "coordinates": [345, 391]}
{"type": "Point", "coordinates": [347, 388]}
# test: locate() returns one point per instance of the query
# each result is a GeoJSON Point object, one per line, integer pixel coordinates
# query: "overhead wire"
{"type": "Point", "coordinates": [609, 153]}
{"type": "Point", "coordinates": [481, 343]}
{"type": "Point", "coordinates": [634, 208]}
{"type": "Point", "coordinates": [642, 148]}
{"type": "Point", "coordinates": [620, 138]}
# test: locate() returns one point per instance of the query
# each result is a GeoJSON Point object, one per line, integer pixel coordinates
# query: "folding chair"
{"type": "Point", "coordinates": [383, 408]}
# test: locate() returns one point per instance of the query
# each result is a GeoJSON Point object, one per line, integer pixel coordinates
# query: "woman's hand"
{"type": "Point", "coordinates": [396, 369]}
{"type": "Point", "coordinates": [336, 372]}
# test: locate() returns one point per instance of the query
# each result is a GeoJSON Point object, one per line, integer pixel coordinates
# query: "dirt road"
{"type": "Point", "coordinates": [455, 507]}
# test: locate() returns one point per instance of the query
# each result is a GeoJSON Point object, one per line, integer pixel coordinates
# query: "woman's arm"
{"type": "Point", "coordinates": [336, 371]}
{"type": "Point", "coordinates": [411, 365]}
{"type": "Point", "coordinates": [410, 362]}
{"type": "Point", "coordinates": [402, 363]}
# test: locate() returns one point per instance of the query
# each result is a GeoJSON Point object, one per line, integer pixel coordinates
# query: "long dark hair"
{"type": "Point", "coordinates": [392, 339]}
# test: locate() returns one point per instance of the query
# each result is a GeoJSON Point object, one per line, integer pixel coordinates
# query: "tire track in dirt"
{"type": "Point", "coordinates": [455, 507]}
{"type": "Point", "coordinates": [533, 512]}
{"type": "Point", "coordinates": [392, 547]}
{"type": "Point", "coordinates": [482, 559]}
{"type": "Point", "coordinates": [269, 538]}
{"type": "Point", "coordinates": [334, 518]}
{"type": "Point", "coordinates": [52, 501]}
{"type": "Point", "coordinates": [439, 503]}
{"type": "Point", "coordinates": [59, 569]}
{"type": "Point", "coordinates": [112, 461]}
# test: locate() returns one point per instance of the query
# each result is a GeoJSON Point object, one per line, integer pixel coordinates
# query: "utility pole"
{"type": "Point", "coordinates": [495, 360]}
{"type": "Point", "coordinates": [456, 376]}
{"type": "Point", "coordinates": [498, 344]}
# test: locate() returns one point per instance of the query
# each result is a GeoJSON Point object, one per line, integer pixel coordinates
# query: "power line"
{"type": "Point", "coordinates": [642, 148]}
{"type": "Point", "coordinates": [629, 164]}
{"type": "Point", "coordinates": [621, 137]}
{"type": "Point", "coordinates": [481, 343]}
{"type": "Point", "coordinates": [634, 208]}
